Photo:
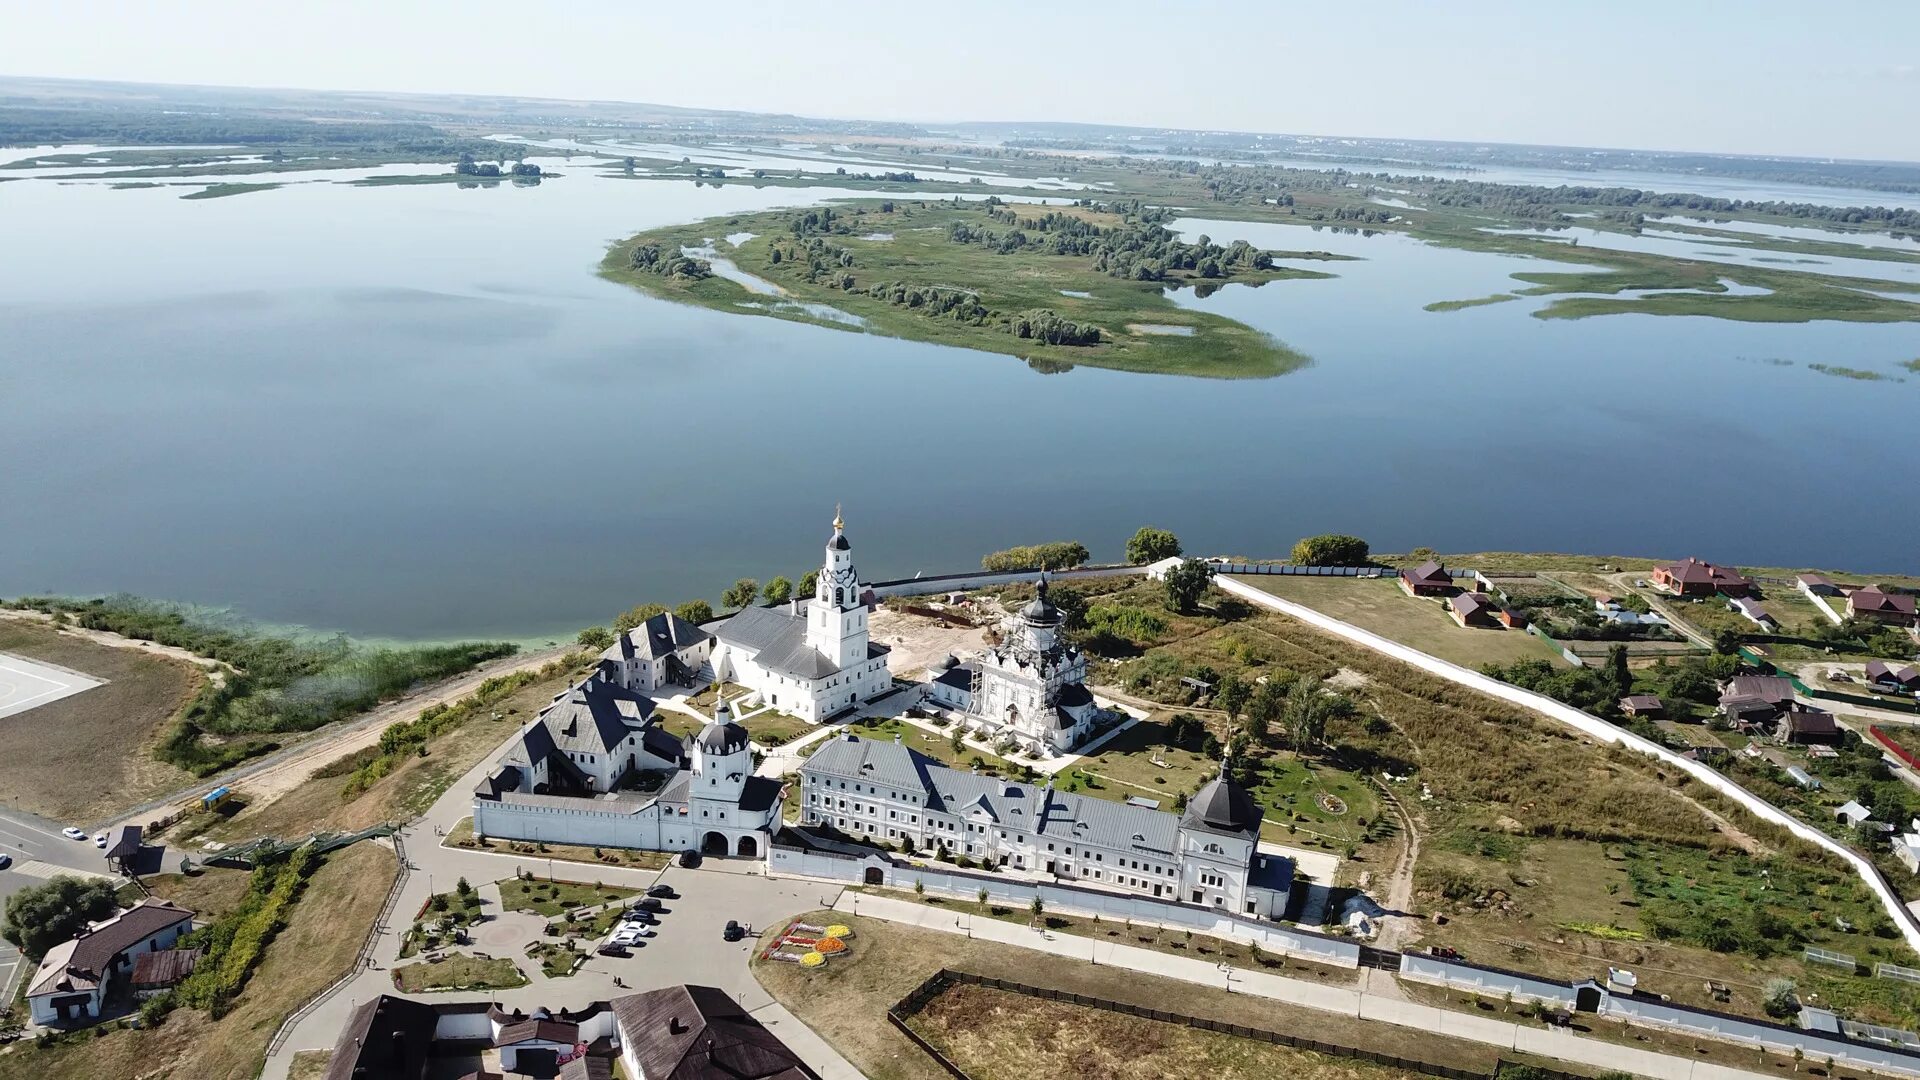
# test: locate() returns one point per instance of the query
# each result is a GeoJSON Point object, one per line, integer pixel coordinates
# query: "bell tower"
{"type": "Point", "coordinates": [837, 620]}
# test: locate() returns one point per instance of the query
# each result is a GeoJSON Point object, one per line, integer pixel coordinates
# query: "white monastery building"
{"type": "Point", "coordinates": [809, 658]}
{"type": "Point", "coordinates": [1030, 688]}
{"type": "Point", "coordinates": [577, 772]}
{"type": "Point", "coordinates": [884, 792]}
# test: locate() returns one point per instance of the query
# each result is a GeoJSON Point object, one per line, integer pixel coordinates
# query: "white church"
{"type": "Point", "coordinates": [1031, 688]}
{"type": "Point", "coordinates": [809, 658]}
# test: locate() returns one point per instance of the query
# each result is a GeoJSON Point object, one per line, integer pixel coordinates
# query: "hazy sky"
{"type": "Point", "coordinates": [1765, 76]}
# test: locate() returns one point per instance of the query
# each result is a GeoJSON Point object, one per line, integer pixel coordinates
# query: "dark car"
{"type": "Point", "coordinates": [1444, 952]}
{"type": "Point", "coordinates": [641, 915]}
{"type": "Point", "coordinates": [648, 904]}
{"type": "Point", "coordinates": [663, 891]}
{"type": "Point", "coordinates": [689, 858]}
{"type": "Point", "coordinates": [734, 931]}
{"type": "Point", "coordinates": [614, 950]}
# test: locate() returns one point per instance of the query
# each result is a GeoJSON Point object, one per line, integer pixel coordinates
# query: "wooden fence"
{"type": "Point", "coordinates": [916, 1000]}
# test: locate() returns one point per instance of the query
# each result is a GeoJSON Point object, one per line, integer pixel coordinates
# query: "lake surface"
{"type": "Point", "coordinates": [416, 412]}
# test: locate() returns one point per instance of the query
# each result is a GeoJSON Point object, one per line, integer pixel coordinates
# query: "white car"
{"type": "Point", "coordinates": [624, 937]}
{"type": "Point", "coordinates": [100, 840]}
{"type": "Point", "coordinates": [638, 930]}
{"type": "Point", "coordinates": [72, 833]}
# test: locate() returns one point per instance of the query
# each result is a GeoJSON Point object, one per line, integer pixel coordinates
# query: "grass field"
{"type": "Point", "coordinates": [919, 253]}
{"type": "Point", "coordinates": [1377, 604]}
{"type": "Point", "coordinates": [317, 946]}
{"type": "Point", "coordinates": [309, 1065]}
{"type": "Point", "coordinates": [106, 734]}
{"type": "Point", "coordinates": [319, 803]}
{"type": "Point", "coordinates": [999, 1035]}
{"type": "Point", "coordinates": [846, 1001]}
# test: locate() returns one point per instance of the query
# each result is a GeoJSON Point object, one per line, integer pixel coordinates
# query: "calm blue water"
{"type": "Point", "coordinates": [416, 412]}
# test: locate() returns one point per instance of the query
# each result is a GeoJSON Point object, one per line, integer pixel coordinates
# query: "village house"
{"type": "Point", "coordinates": [1030, 689]}
{"type": "Point", "coordinates": [1472, 609]}
{"type": "Point", "coordinates": [1852, 813]}
{"type": "Point", "coordinates": [885, 792]}
{"type": "Point", "coordinates": [1755, 699]}
{"type": "Point", "coordinates": [74, 977]}
{"type": "Point", "coordinates": [1887, 677]}
{"type": "Point", "coordinates": [811, 659]}
{"type": "Point", "coordinates": [1875, 602]}
{"type": "Point", "coordinates": [1807, 727]}
{"type": "Point", "coordinates": [1695, 578]}
{"type": "Point", "coordinates": [674, 1033]}
{"type": "Point", "coordinates": [1645, 706]}
{"type": "Point", "coordinates": [1427, 579]}
{"type": "Point", "coordinates": [1906, 847]}
{"type": "Point", "coordinates": [1750, 609]}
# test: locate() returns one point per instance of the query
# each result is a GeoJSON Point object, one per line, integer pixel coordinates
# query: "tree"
{"type": "Point", "coordinates": [1264, 709]}
{"type": "Point", "coordinates": [1330, 549]}
{"type": "Point", "coordinates": [1230, 694]}
{"type": "Point", "coordinates": [634, 616]}
{"type": "Point", "coordinates": [595, 637]}
{"type": "Point", "coordinates": [42, 916]}
{"type": "Point", "coordinates": [808, 581]}
{"type": "Point", "coordinates": [740, 593]}
{"type": "Point", "coordinates": [1781, 998]}
{"type": "Point", "coordinates": [1038, 906]}
{"type": "Point", "coordinates": [1150, 545]}
{"type": "Point", "coordinates": [1057, 555]}
{"type": "Point", "coordinates": [1308, 711]}
{"type": "Point", "coordinates": [1187, 583]}
{"type": "Point", "coordinates": [982, 894]}
{"type": "Point", "coordinates": [777, 591]}
{"type": "Point", "coordinates": [695, 611]}
{"type": "Point", "coordinates": [1617, 670]}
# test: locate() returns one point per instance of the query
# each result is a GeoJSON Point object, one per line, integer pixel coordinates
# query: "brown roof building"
{"type": "Point", "coordinates": [387, 1038]}
{"type": "Point", "coordinates": [1642, 705]}
{"type": "Point", "coordinates": [1428, 579]}
{"type": "Point", "coordinates": [72, 978]}
{"type": "Point", "coordinates": [163, 968]}
{"type": "Point", "coordinates": [1472, 609]}
{"type": "Point", "coordinates": [1808, 726]}
{"type": "Point", "coordinates": [1876, 603]}
{"type": "Point", "coordinates": [1881, 673]}
{"type": "Point", "coordinates": [1695, 578]}
{"type": "Point", "coordinates": [700, 1033]}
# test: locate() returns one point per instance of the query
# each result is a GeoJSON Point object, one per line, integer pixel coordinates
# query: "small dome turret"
{"type": "Point", "coordinates": [1040, 611]}
{"type": "Point", "coordinates": [721, 735]}
{"type": "Point", "coordinates": [1222, 806]}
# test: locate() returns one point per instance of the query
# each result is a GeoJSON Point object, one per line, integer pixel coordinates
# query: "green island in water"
{"type": "Point", "coordinates": [1056, 285]}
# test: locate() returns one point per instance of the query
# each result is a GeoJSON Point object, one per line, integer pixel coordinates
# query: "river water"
{"type": "Point", "coordinates": [416, 412]}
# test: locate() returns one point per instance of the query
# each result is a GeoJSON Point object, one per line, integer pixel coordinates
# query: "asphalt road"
{"type": "Point", "coordinates": [35, 843]}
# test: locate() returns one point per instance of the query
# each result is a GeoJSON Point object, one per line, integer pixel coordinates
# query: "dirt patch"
{"type": "Point", "coordinates": [919, 642]}
{"type": "Point", "coordinates": [80, 758]}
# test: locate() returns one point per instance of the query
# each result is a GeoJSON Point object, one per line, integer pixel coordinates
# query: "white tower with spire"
{"type": "Point", "coordinates": [837, 620]}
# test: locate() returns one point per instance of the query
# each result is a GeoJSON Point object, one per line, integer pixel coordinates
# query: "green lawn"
{"type": "Point", "coordinates": [550, 898]}
{"type": "Point", "coordinates": [459, 972]}
{"type": "Point", "coordinates": [1377, 604]}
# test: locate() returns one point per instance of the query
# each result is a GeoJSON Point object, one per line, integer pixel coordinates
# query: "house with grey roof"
{"type": "Point", "coordinates": [593, 737]}
{"type": "Point", "coordinates": [808, 658]}
{"type": "Point", "coordinates": [886, 792]}
{"type": "Point", "coordinates": [1030, 689]}
{"type": "Point", "coordinates": [665, 649]}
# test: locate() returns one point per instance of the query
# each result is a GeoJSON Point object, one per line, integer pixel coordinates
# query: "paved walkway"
{"type": "Point", "coordinates": [1347, 1001]}
{"type": "Point", "coordinates": [1593, 727]}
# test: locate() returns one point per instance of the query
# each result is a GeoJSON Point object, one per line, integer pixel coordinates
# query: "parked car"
{"type": "Point", "coordinates": [72, 833]}
{"type": "Point", "coordinates": [5, 861]}
{"type": "Point", "coordinates": [625, 936]}
{"type": "Point", "coordinates": [644, 918]}
{"type": "Point", "coordinates": [638, 930]}
{"type": "Point", "coordinates": [689, 858]}
{"type": "Point", "coordinates": [100, 840]}
{"type": "Point", "coordinates": [663, 891]}
{"type": "Point", "coordinates": [651, 903]}
{"type": "Point", "coordinates": [611, 949]}
{"type": "Point", "coordinates": [733, 932]}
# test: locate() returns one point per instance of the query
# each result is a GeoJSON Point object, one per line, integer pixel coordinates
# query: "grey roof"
{"type": "Point", "coordinates": [721, 737]}
{"type": "Point", "coordinates": [1011, 804]}
{"type": "Point", "coordinates": [760, 628]}
{"type": "Point", "coordinates": [779, 642]}
{"type": "Point", "coordinates": [1222, 806]}
{"type": "Point", "coordinates": [959, 677]}
{"type": "Point", "coordinates": [124, 842]}
{"type": "Point", "coordinates": [595, 716]}
{"type": "Point", "coordinates": [1073, 695]}
{"type": "Point", "coordinates": [761, 793]}
{"type": "Point", "coordinates": [663, 634]}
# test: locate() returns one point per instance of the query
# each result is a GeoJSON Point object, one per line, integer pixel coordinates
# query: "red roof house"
{"type": "Point", "coordinates": [1696, 578]}
{"type": "Point", "coordinates": [1876, 603]}
{"type": "Point", "coordinates": [1428, 579]}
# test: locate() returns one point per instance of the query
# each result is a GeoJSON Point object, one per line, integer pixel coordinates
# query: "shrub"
{"type": "Point", "coordinates": [1330, 549]}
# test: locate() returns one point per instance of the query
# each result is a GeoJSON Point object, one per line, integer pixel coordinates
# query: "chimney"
{"type": "Point", "coordinates": [399, 1043]}
{"type": "Point", "coordinates": [793, 605]}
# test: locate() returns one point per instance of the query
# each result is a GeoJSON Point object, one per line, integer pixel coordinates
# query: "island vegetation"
{"type": "Point", "coordinates": [1087, 284]}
